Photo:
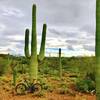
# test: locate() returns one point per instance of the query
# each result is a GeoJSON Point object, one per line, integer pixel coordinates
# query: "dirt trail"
{"type": "Point", "coordinates": [48, 96]}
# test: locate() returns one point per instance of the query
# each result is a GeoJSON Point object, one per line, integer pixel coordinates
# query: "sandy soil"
{"type": "Point", "coordinates": [48, 96]}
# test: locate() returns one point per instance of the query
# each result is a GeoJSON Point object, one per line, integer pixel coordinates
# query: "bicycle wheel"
{"type": "Point", "coordinates": [37, 88]}
{"type": "Point", "coordinates": [20, 89]}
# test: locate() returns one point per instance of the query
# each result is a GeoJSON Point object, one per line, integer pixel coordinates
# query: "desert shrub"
{"type": "Point", "coordinates": [56, 78]}
{"type": "Point", "coordinates": [45, 84]}
{"type": "Point", "coordinates": [48, 70]}
{"type": "Point", "coordinates": [22, 68]}
{"type": "Point", "coordinates": [44, 70]}
{"type": "Point", "coordinates": [91, 76]}
{"type": "Point", "coordinates": [85, 85]}
{"type": "Point", "coordinates": [3, 66]}
{"type": "Point", "coordinates": [63, 88]}
{"type": "Point", "coordinates": [82, 86]}
{"type": "Point", "coordinates": [87, 65]}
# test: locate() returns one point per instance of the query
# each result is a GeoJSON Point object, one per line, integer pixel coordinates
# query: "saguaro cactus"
{"type": "Point", "coordinates": [97, 49]}
{"type": "Point", "coordinates": [33, 57]}
{"type": "Point", "coordinates": [60, 64]}
{"type": "Point", "coordinates": [42, 48]}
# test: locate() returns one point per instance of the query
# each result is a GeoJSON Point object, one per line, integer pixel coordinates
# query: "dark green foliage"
{"type": "Point", "coordinates": [91, 76]}
{"type": "Point", "coordinates": [3, 66]}
{"type": "Point", "coordinates": [82, 86]}
{"type": "Point", "coordinates": [81, 65]}
{"type": "Point", "coordinates": [85, 85]}
{"type": "Point", "coordinates": [49, 70]}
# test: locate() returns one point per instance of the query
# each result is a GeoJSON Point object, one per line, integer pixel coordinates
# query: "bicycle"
{"type": "Point", "coordinates": [27, 87]}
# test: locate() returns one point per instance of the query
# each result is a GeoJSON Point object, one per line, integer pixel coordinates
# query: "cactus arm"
{"type": "Point", "coordinates": [43, 40]}
{"type": "Point", "coordinates": [26, 48]}
{"type": "Point", "coordinates": [97, 49]}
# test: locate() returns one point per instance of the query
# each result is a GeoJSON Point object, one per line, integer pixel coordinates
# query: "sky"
{"type": "Point", "coordinates": [70, 26]}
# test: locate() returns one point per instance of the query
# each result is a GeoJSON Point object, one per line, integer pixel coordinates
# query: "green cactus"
{"type": "Point", "coordinates": [26, 49]}
{"type": "Point", "coordinates": [33, 58]}
{"type": "Point", "coordinates": [42, 48]}
{"type": "Point", "coordinates": [14, 71]}
{"type": "Point", "coordinates": [97, 49]}
{"type": "Point", "coordinates": [14, 76]}
{"type": "Point", "coordinates": [60, 64]}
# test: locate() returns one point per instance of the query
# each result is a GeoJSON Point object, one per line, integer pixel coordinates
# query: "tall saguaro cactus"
{"type": "Point", "coordinates": [60, 64]}
{"type": "Point", "coordinates": [33, 57]}
{"type": "Point", "coordinates": [42, 48]}
{"type": "Point", "coordinates": [97, 49]}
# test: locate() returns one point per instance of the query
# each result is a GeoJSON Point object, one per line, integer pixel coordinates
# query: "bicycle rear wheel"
{"type": "Point", "coordinates": [20, 89]}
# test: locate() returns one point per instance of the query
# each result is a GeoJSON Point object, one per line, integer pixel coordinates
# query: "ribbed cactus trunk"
{"type": "Point", "coordinates": [26, 48]}
{"type": "Point", "coordinates": [98, 49]}
{"type": "Point", "coordinates": [43, 40]}
{"type": "Point", "coordinates": [33, 59]}
{"type": "Point", "coordinates": [60, 64]}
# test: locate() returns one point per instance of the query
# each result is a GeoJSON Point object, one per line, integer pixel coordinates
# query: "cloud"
{"type": "Point", "coordinates": [70, 47]}
{"type": "Point", "coordinates": [2, 27]}
{"type": "Point", "coordinates": [89, 47]}
{"type": "Point", "coordinates": [71, 25]}
{"type": "Point", "coordinates": [12, 12]}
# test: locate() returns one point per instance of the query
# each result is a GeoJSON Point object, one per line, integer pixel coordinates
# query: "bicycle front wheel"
{"type": "Point", "coordinates": [37, 88]}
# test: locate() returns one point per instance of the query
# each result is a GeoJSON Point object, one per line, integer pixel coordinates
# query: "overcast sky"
{"type": "Point", "coordinates": [71, 25]}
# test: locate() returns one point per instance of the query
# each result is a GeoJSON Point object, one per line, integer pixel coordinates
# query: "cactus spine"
{"type": "Point", "coordinates": [42, 48]}
{"type": "Point", "coordinates": [97, 49]}
{"type": "Point", "coordinates": [33, 58]}
{"type": "Point", "coordinates": [26, 49]}
{"type": "Point", "coordinates": [60, 64]}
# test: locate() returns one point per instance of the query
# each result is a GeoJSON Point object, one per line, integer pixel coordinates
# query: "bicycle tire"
{"type": "Point", "coordinates": [20, 89]}
{"type": "Point", "coordinates": [37, 88]}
